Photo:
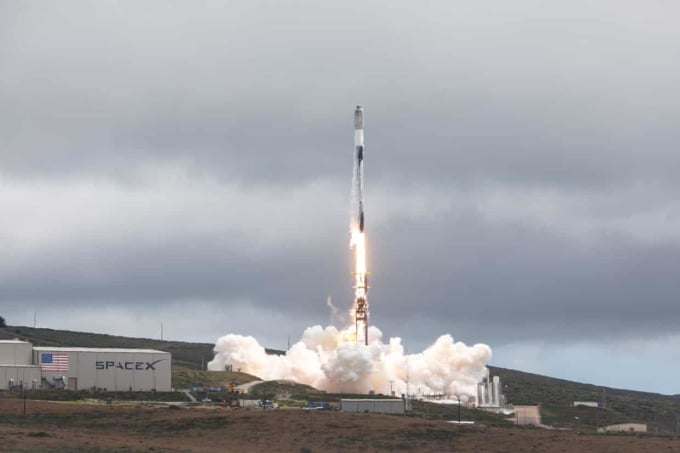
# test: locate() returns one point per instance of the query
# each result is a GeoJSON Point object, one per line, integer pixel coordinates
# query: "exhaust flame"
{"type": "Point", "coordinates": [359, 310]}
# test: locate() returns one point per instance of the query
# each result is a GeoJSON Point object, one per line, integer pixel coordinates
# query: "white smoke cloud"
{"type": "Point", "coordinates": [330, 359]}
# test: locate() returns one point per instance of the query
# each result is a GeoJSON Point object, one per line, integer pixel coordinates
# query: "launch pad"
{"type": "Point", "coordinates": [361, 320]}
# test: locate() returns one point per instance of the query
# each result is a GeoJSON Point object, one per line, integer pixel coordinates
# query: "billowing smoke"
{"type": "Point", "coordinates": [332, 360]}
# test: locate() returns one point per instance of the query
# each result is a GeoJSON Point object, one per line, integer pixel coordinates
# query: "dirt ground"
{"type": "Point", "coordinates": [69, 427]}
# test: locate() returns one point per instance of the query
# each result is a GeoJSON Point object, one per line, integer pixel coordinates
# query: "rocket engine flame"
{"type": "Point", "coordinates": [360, 305]}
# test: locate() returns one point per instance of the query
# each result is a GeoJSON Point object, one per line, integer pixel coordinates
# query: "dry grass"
{"type": "Point", "coordinates": [70, 427]}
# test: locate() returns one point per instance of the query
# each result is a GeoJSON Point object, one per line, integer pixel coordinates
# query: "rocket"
{"type": "Point", "coordinates": [358, 220]}
{"type": "Point", "coordinates": [359, 162]}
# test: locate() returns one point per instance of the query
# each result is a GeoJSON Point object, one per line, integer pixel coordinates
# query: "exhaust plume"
{"type": "Point", "coordinates": [330, 359]}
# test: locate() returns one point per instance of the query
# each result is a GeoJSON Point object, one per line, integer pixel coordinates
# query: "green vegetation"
{"type": "Point", "coordinates": [556, 396]}
{"type": "Point", "coordinates": [579, 417]}
{"type": "Point", "coordinates": [450, 412]}
{"type": "Point", "coordinates": [136, 420]}
{"type": "Point", "coordinates": [183, 377]}
{"type": "Point", "coordinates": [285, 390]}
{"type": "Point", "coordinates": [282, 390]}
{"type": "Point", "coordinates": [190, 355]}
{"type": "Point", "coordinates": [81, 395]}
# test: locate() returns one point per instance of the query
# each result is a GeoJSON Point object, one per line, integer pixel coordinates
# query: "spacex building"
{"type": "Point", "coordinates": [25, 366]}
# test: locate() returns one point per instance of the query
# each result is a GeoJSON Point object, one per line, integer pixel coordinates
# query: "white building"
{"type": "Point", "coordinates": [110, 369]}
{"type": "Point", "coordinates": [25, 366]}
{"type": "Point", "coordinates": [594, 404]}
{"type": "Point", "coordinates": [15, 352]}
{"type": "Point", "coordinates": [624, 428]}
{"type": "Point", "coordinates": [382, 406]}
{"type": "Point", "coordinates": [16, 365]}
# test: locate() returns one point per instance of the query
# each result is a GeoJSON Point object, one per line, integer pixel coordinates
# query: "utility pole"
{"type": "Point", "coordinates": [458, 398]}
{"type": "Point", "coordinates": [408, 375]}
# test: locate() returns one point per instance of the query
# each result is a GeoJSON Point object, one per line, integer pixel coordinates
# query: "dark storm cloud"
{"type": "Point", "coordinates": [528, 93]}
{"type": "Point", "coordinates": [512, 283]}
{"type": "Point", "coordinates": [574, 102]}
{"type": "Point", "coordinates": [185, 269]}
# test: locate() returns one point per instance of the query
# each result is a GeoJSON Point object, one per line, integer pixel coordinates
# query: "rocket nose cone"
{"type": "Point", "coordinates": [359, 117]}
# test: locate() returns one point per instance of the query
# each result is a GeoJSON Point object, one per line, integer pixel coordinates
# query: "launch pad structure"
{"type": "Point", "coordinates": [358, 241]}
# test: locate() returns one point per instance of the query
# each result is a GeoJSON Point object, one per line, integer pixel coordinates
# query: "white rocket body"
{"type": "Point", "coordinates": [359, 164]}
{"type": "Point", "coordinates": [358, 237]}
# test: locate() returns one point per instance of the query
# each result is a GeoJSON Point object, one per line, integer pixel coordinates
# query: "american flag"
{"type": "Point", "coordinates": [54, 362]}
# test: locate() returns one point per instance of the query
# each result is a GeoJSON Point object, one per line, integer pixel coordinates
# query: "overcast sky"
{"type": "Point", "coordinates": [189, 163]}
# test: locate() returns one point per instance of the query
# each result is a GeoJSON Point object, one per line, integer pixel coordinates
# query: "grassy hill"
{"type": "Point", "coordinates": [189, 355]}
{"type": "Point", "coordinates": [556, 396]}
{"type": "Point", "coordinates": [183, 377]}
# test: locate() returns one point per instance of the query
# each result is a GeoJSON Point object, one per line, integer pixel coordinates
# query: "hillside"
{"type": "Point", "coordinates": [556, 396]}
{"type": "Point", "coordinates": [190, 355]}
{"type": "Point", "coordinates": [618, 405]}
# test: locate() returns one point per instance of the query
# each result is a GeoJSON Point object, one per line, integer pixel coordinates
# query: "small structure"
{"type": "Point", "coordinates": [317, 405]}
{"type": "Point", "coordinates": [528, 415]}
{"type": "Point", "coordinates": [594, 404]}
{"type": "Point", "coordinates": [380, 406]}
{"type": "Point", "coordinates": [249, 404]}
{"type": "Point", "coordinates": [16, 352]}
{"type": "Point", "coordinates": [23, 366]}
{"type": "Point", "coordinates": [624, 428]}
{"type": "Point", "coordinates": [16, 366]}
